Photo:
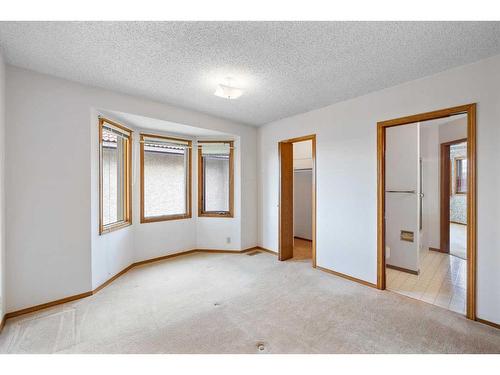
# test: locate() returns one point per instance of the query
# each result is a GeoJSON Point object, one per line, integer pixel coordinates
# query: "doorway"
{"type": "Point", "coordinates": [297, 199]}
{"type": "Point", "coordinates": [453, 202]}
{"type": "Point", "coordinates": [413, 196]}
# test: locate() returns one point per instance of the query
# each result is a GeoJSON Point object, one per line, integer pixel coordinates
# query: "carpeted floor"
{"type": "Point", "coordinates": [234, 303]}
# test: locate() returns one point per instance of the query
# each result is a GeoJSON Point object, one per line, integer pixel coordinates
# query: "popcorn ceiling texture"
{"type": "Point", "coordinates": [285, 68]}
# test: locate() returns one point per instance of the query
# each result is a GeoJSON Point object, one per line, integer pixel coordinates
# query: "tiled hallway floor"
{"type": "Point", "coordinates": [458, 240]}
{"type": "Point", "coordinates": [442, 281]}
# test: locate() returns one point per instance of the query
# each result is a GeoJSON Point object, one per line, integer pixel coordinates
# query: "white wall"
{"type": "Point", "coordinates": [2, 186]}
{"type": "Point", "coordinates": [430, 176]}
{"type": "Point", "coordinates": [402, 154]}
{"type": "Point", "coordinates": [347, 171]}
{"type": "Point", "coordinates": [53, 246]}
{"type": "Point", "coordinates": [453, 130]}
{"type": "Point", "coordinates": [302, 203]}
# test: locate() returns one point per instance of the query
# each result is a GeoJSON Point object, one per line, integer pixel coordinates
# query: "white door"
{"type": "Point", "coordinates": [402, 195]}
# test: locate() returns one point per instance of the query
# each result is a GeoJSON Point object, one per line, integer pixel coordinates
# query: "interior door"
{"type": "Point", "coordinates": [286, 201]}
{"type": "Point", "coordinates": [402, 196]}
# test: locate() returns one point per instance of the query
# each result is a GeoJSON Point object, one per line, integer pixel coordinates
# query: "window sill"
{"type": "Point", "coordinates": [113, 227]}
{"type": "Point", "coordinates": [216, 214]}
{"type": "Point", "coordinates": [156, 219]}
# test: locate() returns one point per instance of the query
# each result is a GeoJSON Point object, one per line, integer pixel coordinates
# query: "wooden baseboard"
{"type": "Point", "coordinates": [402, 269]}
{"type": "Point", "coordinates": [163, 257]}
{"type": "Point", "coordinates": [351, 278]}
{"type": "Point", "coordinates": [266, 250]}
{"type": "Point", "coordinates": [2, 322]}
{"type": "Point", "coordinates": [143, 262]}
{"type": "Point", "coordinates": [363, 282]}
{"type": "Point", "coordinates": [436, 249]}
{"type": "Point", "coordinates": [302, 238]}
{"type": "Point", "coordinates": [487, 322]}
{"type": "Point", "coordinates": [109, 281]}
{"type": "Point", "coordinates": [47, 305]}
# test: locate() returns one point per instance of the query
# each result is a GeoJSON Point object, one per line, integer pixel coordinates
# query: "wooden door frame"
{"type": "Point", "coordinates": [312, 138]}
{"type": "Point", "coordinates": [470, 110]}
{"type": "Point", "coordinates": [444, 194]}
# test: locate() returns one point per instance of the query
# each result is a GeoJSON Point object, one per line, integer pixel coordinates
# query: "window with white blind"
{"type": "Point", "coordinates": [215, 178]}
{"type": "Point", "coordinates": [165, 178]}
{"type": "Point", "coordinates": [114, 176]}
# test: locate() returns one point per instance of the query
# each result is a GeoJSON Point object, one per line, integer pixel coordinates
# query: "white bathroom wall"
{"type": "Point", "coordinates": [346, 161]}
{"type": "Point", "coordinates": [402, 154]}
{"type": "Point", "coordinates": [430, 176]}
{"type": "Point", "coordinates": [53, 247]}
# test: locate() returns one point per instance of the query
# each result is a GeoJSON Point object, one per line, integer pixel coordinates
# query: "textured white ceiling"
{"type": "Point", "coordinates": [285, 67]}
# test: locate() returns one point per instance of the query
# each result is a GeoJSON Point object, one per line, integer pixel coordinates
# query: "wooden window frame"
{"type": "Point", "coordinates": [127, 196]}
{"type": "Point", "coordinates": [455, 177]}
{"type": "Point", "coordinates": [201, 184]}
{"type": "Point", "coordinates": [188, 213]}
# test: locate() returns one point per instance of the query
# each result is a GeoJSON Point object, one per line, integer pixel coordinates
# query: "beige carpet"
{"type": "Point", "coordinates": [231, 303]}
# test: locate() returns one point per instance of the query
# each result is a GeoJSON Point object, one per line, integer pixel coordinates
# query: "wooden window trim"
{"type": "Point", "coordinates": [201, 187]}
{"type": "Point", "coordinates": [188, 213]}
{"type": "Point", "coordinates": [127, 204]}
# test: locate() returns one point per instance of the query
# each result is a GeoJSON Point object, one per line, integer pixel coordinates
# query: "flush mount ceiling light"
{"type": "Point", "coordinates": [228, 91]}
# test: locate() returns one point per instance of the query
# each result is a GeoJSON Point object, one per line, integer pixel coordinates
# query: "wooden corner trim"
{"type": "Point", "coordinates": [350, 278]}
{"type": "Point", "coordinates": [402, 269]}
{"type": "Point", "coordinates": [2, 322]}
{"type": "Point", "coordinates": [303, 239]}
{"type": "Point", "coordinates": [437, 250]}
{"type": "Point", "coordinates": [327, 270]}
{"type": "Point", "coordinates": [487, 322]}
{"type": "Point", "coordinates": [47, 305]}
{"type": "Point", "coordinates": [266, 250]}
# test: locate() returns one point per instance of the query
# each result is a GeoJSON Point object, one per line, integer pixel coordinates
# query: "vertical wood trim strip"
{"type": "Point", "coordinates": [231, 179]}
{"type": "Point", "coordinates": [314, 187]}
{"type": "Point", "coordinates": [381, 207]}
{"type": "Point", "coordinates": [141, 176]}
{"type": "Point", "coordinates": [471, 213]}
{"type": "Point", "coordinates": [444, 203]}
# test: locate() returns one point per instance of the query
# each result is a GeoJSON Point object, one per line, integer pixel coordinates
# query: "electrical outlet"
{"type": "Point", "coordinates": [228, 239]}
